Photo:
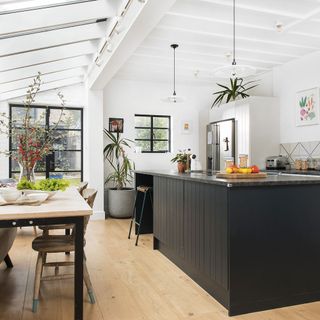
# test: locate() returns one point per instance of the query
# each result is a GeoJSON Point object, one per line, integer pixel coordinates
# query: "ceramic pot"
{"type": "Point", "coordinates": [182, 167]}
{"type": "Point", "coordinates": [121, 202]}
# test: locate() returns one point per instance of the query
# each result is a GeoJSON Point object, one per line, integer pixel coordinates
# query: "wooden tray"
{"type": "Point", "coordinates": [224, 175]}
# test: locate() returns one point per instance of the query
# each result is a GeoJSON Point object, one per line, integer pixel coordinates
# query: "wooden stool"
{"type": "Point", "coordinates": [145, 190]}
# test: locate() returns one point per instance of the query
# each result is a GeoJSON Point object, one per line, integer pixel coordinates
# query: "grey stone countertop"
{"type": "Point", "coordinates": [273, 179]}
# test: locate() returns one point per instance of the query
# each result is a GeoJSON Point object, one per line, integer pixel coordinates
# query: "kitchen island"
{"type": "Point", "coordinates": [252, 244]}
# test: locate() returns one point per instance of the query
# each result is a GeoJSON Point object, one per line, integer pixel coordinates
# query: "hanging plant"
{"type": "Point", "coordinates": [237, 89]}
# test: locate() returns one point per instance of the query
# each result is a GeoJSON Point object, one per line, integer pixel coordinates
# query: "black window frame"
{"type": "Point", "coordinates": [152, 140]}
{"type": "Point", "coordinates": [48, 170]}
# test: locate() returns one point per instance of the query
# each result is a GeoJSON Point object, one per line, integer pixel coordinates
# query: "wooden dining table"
{"type": "Point", "coordinates": [66, 207]}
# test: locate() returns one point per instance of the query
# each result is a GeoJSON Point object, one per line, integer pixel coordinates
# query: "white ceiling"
{"type": "Point", "coordinates": [59, 38]}
{"type": "Point", "coordinates": [203, 29]}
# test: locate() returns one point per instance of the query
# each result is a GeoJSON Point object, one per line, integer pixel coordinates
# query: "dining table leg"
{"type": "Point", "coordinates": [78, 274]}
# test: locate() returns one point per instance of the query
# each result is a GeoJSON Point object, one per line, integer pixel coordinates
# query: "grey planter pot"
{"type": "Point", "coordinates": [121, 202]}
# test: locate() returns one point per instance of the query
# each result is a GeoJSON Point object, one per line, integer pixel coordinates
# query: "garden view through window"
{"type": "Point", "coordinates": [66, 160]}
{"type": "Point", "coordinates": [152, 133]}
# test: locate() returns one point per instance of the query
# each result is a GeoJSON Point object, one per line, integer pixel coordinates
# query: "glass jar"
{"type": "Point", "coordinates": [298, 164]}
{"type": "Point", "coordinates": [228, 162]}
{"type": "Point", "coordinates": [243, 160]}
{"type": "Point", "coordinates": [304, 163]}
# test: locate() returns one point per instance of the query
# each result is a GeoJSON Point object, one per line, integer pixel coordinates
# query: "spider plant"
{"type": "Point", "coordinates": [121, 165]}
{"type": "Point", "coordinates": [237, 89]}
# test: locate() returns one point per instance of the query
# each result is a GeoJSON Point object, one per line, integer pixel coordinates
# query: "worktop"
{"type": "Point", "coordinates": [252, 244]}
{"type": "Point", "coordinates": [273, 178]}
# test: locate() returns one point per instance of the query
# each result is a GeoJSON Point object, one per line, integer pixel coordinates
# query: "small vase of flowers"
{"type": "Point", "coordinates": [182, 158]}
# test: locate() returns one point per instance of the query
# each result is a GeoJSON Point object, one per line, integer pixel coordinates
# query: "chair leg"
{"type": "Point", "coordinates": [44, 260]}
{"type": "Point", "coordinates": [88, 283]}
{"type": "Point", "coordinates": [67, 233]}
{"type": "Point", "coordinates": [133, 215]}
{"type": "Point", "coordinates": [141, 215]}
{"type": "Point", "coordinates": [35, 230]}
{"type": "Point", "coordinates": [37, 280]}
{"type": "Point", "coordinates": [8, 261]}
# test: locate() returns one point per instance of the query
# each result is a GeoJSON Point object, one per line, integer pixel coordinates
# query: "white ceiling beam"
{"type": "Point", "coordinates": [51, 38]}
{"type": "Point", "coordinates": [47, 55]}
{"type": "Point", "coordinates": [46, 78]}
{"type": "Point", "coordinates": [22, 21]}
{"type": "Point", "coordinates": [306, 17]}
{"type": "Point", "coordinates": [45, 87]}
{"type": "Point", "coordinates": [32, 71]}
{"type": "Point", "coordinates": [147, 17]}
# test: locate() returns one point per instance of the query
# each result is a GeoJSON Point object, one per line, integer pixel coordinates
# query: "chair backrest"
{"type": "Point", "coordinates": [89, 195]}
{"type": "Point", "coordinates": [82, 186]}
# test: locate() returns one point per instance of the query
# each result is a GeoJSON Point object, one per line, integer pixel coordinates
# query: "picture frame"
{"type": "Point", "coordinates": [307, 107]}
{"type": "Point", "coordinates": [116, 125]}
{"type": "Point", "coordinates": [186, 127]}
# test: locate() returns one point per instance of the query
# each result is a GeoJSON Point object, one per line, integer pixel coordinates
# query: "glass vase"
{"type": "Point", "coordinates": [27, 172]}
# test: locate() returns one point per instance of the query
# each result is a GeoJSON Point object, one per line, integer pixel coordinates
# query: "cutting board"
{"type": "Point", "coordinates": [224, 175]}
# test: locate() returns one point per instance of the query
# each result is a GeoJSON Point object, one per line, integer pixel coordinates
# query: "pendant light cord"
{"type": "Point", "coordinates": [174, 71]}
{"type": "Point", "coordinates": [234, 33]}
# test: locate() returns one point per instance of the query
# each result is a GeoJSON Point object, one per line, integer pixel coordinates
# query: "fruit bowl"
{"type": "Point", "coordinates": [30, 191]}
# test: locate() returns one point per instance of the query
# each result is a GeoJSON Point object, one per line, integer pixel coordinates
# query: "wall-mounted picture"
{"type": "Point", "coordinates": [116, 125]}
{"type": "Point", "coordinates": [307, 107]}
{"type": "Point", "coordinates": [186, 127]}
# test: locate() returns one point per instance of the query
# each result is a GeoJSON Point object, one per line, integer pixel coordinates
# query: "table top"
{"type": "Point", "coordinates": [64, 204]}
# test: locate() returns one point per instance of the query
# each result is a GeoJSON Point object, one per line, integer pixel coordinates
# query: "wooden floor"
{"type": "Point", "coordinates": [131, 283]}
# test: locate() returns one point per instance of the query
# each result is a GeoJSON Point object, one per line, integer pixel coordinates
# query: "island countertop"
{"type": "Point", "coordinates": [271, 180]}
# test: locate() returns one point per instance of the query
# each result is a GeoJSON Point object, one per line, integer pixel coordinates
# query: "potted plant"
{"type": "Point", "coordinates": [181, 158]}
{"type": "Point", "coordinates": [237, 89]}
{"type": "Point", "coordinates": [120, 197]}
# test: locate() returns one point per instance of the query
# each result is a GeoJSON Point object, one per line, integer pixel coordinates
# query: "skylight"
{"type": "Point", "coordinates": [10, 6]}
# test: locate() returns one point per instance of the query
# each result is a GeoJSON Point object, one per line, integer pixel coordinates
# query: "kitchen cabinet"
{"type": "Point", "coordinates": [257, 126]}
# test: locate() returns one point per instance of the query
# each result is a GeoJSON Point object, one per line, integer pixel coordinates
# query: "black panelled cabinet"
{"type": "Point", "coordinates": [251, 248]}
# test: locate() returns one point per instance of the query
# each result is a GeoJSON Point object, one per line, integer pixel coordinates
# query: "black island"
{"type": "Point", "coordinates": [252, 244]}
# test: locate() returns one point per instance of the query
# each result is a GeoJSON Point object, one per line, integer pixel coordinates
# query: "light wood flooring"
{"type": "Point", "coordinates": [131, 283]}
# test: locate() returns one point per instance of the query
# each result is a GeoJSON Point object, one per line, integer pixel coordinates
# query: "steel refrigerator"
{"type": "Point", "coordinates": [220, 143]}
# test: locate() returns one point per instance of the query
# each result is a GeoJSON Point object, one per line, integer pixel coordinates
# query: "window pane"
{"type": "Point", "coordinates": [40, 166]}
{"type": "Point", "coordinates": [36, 114]}
{"type": "Point", "coordinates": [67, 140]}
{"type": "Point", "coordinates": [38, 175]}
{"type": "Point", "coordinates": [69, 119]}
{"type": "Point", "coordinates": [142, 121]}
{"type": "Point", "coordinates": [145, 145]}
{"type": "Point", "coordinates": [161, 146]}
{"type": "Point", "coordinates": [161, 122]}
{"type": "Point", "coordinates": [143, 134]}
{"type": "Point", "coordinates": [67, 160]}
{"type": "Point", "coordinates": [161, 134]}
{"type": "Point", "coordinates": [73, 177]}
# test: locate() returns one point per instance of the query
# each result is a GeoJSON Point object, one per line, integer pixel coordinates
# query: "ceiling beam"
{"type": "Point", "coordinates": [45, 78]}
{"type": "Point", "coordinates": [45, 87]}
{"type": "Point", "coordinates": [147, 17]}
{"type": "Point", "coordinates": [47, 55]}
{"type": "Point", "coordinates": [23, 21]}
{"type": "Point", "coordinates": [32, 71]}
{"type": "Point", "coordinates": [51, 39]}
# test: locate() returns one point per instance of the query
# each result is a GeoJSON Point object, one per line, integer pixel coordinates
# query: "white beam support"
{"type": "Point", "coordinates": [145, 21]}
{"type": "Point", "coordinates": [29, 20]}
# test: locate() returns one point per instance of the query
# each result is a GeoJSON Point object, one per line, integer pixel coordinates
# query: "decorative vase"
{"type": "Point", "coordinates": [181, 167]}
{"type": "Point", "coordinates": [27, 172]}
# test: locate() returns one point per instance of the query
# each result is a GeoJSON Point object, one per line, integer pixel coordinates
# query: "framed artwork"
{"type": "Point", "coordinates": [116, 125]}
{"type": "Point", "coordinates": [307, 107]}
{"type": "Point", "coordinates": [186, 127]}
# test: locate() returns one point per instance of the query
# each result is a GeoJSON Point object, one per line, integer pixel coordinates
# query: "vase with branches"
{"type": "Point", "coordinates": [31, 139]}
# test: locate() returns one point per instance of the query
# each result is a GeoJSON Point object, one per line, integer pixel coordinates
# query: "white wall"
{"type": "Point", "coordinates": [290, 78]}
{"type": "Point", "coordinates": [124, 99]}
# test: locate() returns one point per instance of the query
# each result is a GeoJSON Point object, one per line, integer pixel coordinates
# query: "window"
{"type": "Point", "coordinates": [152, 133]}
{"type": "Point", "coordinates": [67, 156]}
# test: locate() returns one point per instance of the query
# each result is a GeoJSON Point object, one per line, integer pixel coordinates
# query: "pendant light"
{"type": "Point", "coordinates": [174, 98]}
{"type": "Point", "coordinates": [234, 70]}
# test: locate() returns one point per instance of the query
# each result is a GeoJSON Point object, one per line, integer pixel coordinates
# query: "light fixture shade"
{"type": "Point", "coordinates": [174, 99]}
{"type": "Point", "coordinates": [235, 71]}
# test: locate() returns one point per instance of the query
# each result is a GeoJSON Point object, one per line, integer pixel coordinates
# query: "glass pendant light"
{"type": "Point", "coordinates": [174, 98]}
{"type": "Point", "coordinates": [234, 70]}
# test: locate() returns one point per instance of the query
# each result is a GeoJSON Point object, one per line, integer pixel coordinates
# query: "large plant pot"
{"type": "Point", "coordinates": [121, 202]}
{"type": "Point", "coordinates": [7, 237]}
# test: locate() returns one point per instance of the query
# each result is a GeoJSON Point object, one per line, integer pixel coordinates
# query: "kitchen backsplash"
{"type": "Point", "coordinates": [298, 150]}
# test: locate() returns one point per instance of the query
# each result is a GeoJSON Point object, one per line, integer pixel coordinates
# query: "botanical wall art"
{"type": "Point", "coordinates": [307, 107]}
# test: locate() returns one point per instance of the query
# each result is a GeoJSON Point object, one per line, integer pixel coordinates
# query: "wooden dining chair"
{"type": "Point", "coordinates": [46, 244]}
{"type": "Point", "coordinates": [82, 186]}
